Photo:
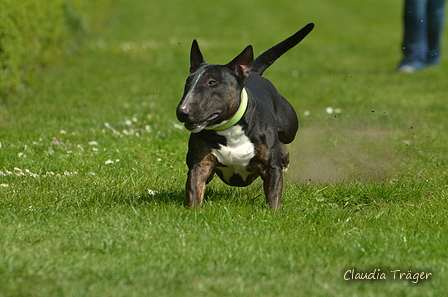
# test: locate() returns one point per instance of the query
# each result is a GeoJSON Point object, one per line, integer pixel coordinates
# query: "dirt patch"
{"type": "Point", "coordinates": [336, 155]}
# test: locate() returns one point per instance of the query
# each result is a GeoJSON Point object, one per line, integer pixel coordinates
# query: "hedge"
{"type": "Point", "coordinates": [34, 32]}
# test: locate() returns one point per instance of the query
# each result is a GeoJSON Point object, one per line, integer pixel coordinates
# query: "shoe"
{"type": "Point", "coordinates": [432, 62]}
{"type": "Point", "coordinates": [433, 58]}
{"type": "Point", "coordinates": [407, 69]}
{"type": "Point", "coordinates": [409, 65]}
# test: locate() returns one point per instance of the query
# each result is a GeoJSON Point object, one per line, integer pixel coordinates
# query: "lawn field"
{"type": "Point", "coordinates": [92, 162]}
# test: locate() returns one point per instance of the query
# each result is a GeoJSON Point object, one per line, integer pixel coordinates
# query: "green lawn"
{"type": "Point", "coordinates": [92, 162]}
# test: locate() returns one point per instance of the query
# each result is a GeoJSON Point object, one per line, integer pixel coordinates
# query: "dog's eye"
{"type": "Point", "coordinates": [211, 82]}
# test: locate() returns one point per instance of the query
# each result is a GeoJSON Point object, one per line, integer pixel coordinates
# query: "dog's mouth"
{"type": "Point", "coordinates": [199, 126]}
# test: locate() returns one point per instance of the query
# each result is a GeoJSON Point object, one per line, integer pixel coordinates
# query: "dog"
{"type": "Point", "coordinates": [238, 121]}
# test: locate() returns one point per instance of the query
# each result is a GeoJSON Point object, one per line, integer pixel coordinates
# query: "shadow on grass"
{"type": "Point", "coordinates": [225, 195]}
{"type": "Point", "coordinates": [216, 193]}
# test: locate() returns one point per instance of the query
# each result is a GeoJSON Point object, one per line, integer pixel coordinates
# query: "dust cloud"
{"type": "Point", "coordinates": [320, 155]}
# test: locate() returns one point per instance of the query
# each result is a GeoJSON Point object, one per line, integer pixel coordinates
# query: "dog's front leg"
{"type": "Point", "coordinates": [199, 175]}
{"type": "Point", "coordinates": [273, 187]}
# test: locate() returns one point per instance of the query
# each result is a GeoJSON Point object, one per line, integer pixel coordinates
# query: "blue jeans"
{"type": "Point", "coordinates": [423, 25]}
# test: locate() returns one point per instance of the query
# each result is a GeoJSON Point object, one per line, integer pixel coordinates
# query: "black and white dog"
{"type": "Point", "coordinates": [238, 121]}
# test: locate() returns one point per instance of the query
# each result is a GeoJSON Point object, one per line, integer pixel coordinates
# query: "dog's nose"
{"type": "Point", "coordinates": [183, 113]}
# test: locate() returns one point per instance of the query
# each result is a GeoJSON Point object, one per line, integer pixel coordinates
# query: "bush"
{"type": "Point", "coordinates": [34, 32]}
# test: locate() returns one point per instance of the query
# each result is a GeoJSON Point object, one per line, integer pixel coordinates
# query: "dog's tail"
{"type": "Point", "coordinates": [263, 61]}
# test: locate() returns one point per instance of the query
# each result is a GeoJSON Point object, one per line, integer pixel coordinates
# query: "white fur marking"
{"type": "Point", "coordinates": [191, 90]}
{"type": "Point", "coordinates": [236, 154]}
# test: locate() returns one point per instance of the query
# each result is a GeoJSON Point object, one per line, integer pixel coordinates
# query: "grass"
{"type": "Point", "coordinates": [92, 167]}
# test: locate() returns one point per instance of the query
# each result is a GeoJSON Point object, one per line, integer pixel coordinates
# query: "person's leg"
{"type": "Point", "coordinates": [436, 13]}
{"type": "Point", "coordinates": [415, 43]}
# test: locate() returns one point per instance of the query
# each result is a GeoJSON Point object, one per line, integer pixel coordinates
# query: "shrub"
{"type": "Point", "coordinates": [34, 32]}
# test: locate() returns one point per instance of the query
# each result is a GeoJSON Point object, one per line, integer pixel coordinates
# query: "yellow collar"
{"type": "Point", "coordinates": [237, 116]}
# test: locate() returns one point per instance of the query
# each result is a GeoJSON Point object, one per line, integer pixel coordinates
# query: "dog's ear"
{"type": "Point", "coordinates": [196, 57]}
{"type": "Point", "coordinates": [242, 64]}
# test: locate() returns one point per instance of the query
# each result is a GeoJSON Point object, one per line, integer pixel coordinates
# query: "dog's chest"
{"type": "Point", "coordinates": [236, 155]}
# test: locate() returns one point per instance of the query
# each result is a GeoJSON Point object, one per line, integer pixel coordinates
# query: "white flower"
{"type": "Point", "coordinates": [329, 110]}
{"type": "Point", "coordinates": [109, 162]}
{"type": "Point", "coordinates": [151, 192]}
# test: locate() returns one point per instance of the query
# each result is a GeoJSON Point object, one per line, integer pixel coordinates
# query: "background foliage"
{"type": "Point", "coordinates": [34, 32]}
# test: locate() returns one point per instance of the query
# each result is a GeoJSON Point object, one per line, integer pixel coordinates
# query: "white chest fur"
{"type": "Point", "coordinates": [236, 154]}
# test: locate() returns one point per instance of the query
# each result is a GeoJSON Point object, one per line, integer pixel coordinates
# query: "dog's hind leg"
{"type": "Point", "coordinates": [273, 186]}
{"type": "Point", "coordinates": [272, 175]}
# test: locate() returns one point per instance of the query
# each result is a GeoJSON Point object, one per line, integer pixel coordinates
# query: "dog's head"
{"type": "Point", "coordinates": [212, 92]}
